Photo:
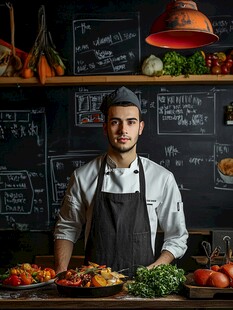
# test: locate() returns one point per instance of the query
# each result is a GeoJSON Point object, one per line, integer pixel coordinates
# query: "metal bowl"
{"type": "Point", "coordinates": [90, 292]}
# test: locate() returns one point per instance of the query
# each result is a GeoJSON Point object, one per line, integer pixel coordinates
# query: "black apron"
{"type": "Point", "coordinates": [120, 235]}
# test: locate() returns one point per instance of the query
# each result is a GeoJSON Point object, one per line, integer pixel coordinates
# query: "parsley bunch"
{"type": "Point", "coordinates": [159, 281]}
{"type": "Point", "coordinates": [196, 64]}
{"type": "Point", "coordinates": [173, 63]}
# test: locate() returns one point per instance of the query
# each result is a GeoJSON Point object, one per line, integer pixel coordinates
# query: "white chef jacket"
{"type": "Point", "coordinates": [164, 202]}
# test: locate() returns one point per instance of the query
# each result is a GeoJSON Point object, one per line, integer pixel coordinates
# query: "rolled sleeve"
{"type": "Point", "coordinates": [68, 225]}
{"type": "Point", "coordinates": [172, 220]}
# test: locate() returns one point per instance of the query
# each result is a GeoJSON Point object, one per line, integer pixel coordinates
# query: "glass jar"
{"type": "Point", "coordinates": [229, 114]}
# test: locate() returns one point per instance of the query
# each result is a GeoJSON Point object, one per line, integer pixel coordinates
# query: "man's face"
{"type": "Point", "coordinates": [123, 128]}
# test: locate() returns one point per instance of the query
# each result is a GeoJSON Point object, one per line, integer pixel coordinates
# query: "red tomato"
{"type": "Point", "coordinates": [228, 270]}
{"type": "Point", "coordinates": [224, 69]}
{"type": "Point", "coordinates": [209, 57]}
{"type": "Point", "coordinates": [218, 279]}
{"type": "Point", "coordinates": [208, 63]}
{"type": "Point", "coordinates": [52, 272]}
{"type": "Point", "coordinates": [64, 282]}
{"type": "Point", "coordinates": [216, 70]}
{"type": "Point", "coordinates": [26, 278]}
{"type": "Point", "coordinates": [216, 62]}
{"type": "Point", "coordinates": [13, 280]}
{"type": "Point", "coordinates": [215, 267]}
{"type": "Point", "coordinates": [201, 276]}
{"type": "Point", "coordinates": [229, 63]}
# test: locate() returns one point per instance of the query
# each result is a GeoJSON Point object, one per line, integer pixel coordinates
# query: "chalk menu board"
{"type": "Point", "coordinates": [186, 113]}
{"type": "Point", "coordinates": [103, 45]}
{"type": "Point", "coordinates": [23, 173]}
{"type": "Point", "coordinates": [223, 28]}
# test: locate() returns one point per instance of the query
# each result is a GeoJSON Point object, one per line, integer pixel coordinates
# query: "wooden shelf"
{"type": "Point", "coordinates": [117, 80]}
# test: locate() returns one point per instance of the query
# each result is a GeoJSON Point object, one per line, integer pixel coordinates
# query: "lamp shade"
{"type": "Point", "coordinates": [181, 26]}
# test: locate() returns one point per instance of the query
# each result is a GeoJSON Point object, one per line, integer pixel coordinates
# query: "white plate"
{"type": "Point", "coordinates": [27, 287]}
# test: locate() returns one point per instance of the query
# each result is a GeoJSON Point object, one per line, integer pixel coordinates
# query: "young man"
{"type": "Point", "coordinates": [120, 198]}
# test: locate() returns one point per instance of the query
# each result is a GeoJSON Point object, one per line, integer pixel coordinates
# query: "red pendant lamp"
{"type": "Point", "coordinates": [181, 26]}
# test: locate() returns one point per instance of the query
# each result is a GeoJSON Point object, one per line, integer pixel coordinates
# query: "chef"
{"type": "Point", "coordinates": [119, 199]}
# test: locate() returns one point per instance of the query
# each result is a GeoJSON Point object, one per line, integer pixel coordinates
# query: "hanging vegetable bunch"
{"type": "Point", "coordinates": [43, 59]}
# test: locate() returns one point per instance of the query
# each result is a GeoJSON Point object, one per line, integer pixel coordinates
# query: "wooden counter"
{"type": "Point", "coordinates": [47, 297]}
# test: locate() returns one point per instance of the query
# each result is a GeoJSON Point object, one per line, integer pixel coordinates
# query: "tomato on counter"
{"type": "Point", "coordinates": [217, 276]}
{"type": "Point", "coordinates": [201, 276]}
{"type": "Point", "coordinates": [218, 279]}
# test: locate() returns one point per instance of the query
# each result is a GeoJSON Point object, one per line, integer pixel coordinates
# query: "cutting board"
{"type": "Point", "coordinates": [206, 292]}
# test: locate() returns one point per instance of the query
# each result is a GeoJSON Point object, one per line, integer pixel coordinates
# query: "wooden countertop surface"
{"type": "Point", "coordinates": [47, 297]}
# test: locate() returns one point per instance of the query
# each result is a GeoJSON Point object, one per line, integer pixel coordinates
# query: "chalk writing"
{"type": "Point", "coordinates": [104, 45]}
{"type": "Point", "coordinates": [62, 166]}
{"type": "Point", "coordinates": [223, 27]}
{"type": "Point", "coordinates": [186, 113]}
{"type": "Point", "coordinates": [87, 107]}
{"type": "Point", "coordinates": [23, 172]}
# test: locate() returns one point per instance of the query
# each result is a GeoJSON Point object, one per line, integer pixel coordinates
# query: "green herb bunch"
{"type": "Point", "coordinates": [159, 281]}
{"type": "Point", "coordinates": [196, 64]}
{"type": "Point", "coordinates": [173, 63]}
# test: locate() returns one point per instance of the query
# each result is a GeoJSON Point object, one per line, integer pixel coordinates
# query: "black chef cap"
{"type": "Point", "coordinates": [120, 95]}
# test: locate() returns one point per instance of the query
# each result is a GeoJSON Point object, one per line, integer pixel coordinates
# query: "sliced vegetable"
{"type": "Point", "coordinates": [98, 280]}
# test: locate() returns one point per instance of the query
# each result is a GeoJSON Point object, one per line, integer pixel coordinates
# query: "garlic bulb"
{"type": "Point", "coordinates": [152, 66]}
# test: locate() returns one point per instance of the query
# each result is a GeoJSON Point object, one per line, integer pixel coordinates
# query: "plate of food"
{"type": "Point", "coordinates": [26, 287]}
{"type": "Point", "coordinates": [225, 170]}
{"type": "Point", "coordinates": [26, 276]}
{"type": "Point", "coordinates": [90, 281]}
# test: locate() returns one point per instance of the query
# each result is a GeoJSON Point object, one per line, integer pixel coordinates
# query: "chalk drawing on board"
{"type": "Point", "coordinates": [23, 170]}
{"type": "Point", "coordinates": [222, 151]}
{"type": "Point", "coordinates": [106, 46]}
{"type": "Point", "coordinates": [189, 161]}
{"type": "Point", "coordinates": [87, 107]}
{"type": "Point", "coordinates": [223, 28]}
{"type": "Point", "coordinates": [61, 169]}
{"type": "Point", "coordinates": [186, 113]}
{"type": "Point", "coordinates": [18, 194]}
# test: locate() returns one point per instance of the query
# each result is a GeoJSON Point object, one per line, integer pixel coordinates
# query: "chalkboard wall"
{"type": "Point", "coordinates": [47, 132]}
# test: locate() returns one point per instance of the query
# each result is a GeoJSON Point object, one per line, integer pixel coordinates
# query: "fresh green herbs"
{"type": "Point", "coordinates": [175, 64]}
{"type": "Point", "coordinates": [196, 64]}
{"type": "Point", "coordinates": [157, 282]}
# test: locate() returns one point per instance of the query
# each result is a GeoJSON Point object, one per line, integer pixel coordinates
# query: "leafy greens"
{"type": "Point", "coordinates": [159, 281]}
{"type": "Point", "coordinates": [175, 64]}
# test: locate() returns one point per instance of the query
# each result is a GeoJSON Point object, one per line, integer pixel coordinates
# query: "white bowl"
{"type": "Point", "coordinates": [5, 53]}
{"type": "Point", "coordinates": [226, 178]}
